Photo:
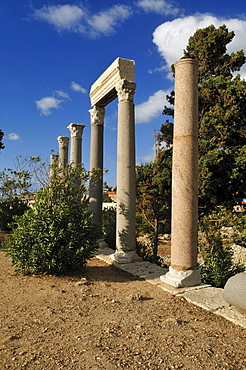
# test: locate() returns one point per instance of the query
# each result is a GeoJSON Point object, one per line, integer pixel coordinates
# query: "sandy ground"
{"type": "Point", "coordinates": [104, 318]}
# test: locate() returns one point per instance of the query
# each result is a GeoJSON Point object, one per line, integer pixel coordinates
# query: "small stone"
{"type": "Point", "coordinates": [136, 297]}
{"type": "Point", "coordinates": [81, 282]}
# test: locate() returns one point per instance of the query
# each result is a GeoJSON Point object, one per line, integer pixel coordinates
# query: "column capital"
{"type": "Point", "coordinates": [97, 114]}
{"type": "Point", "coordinates": [63, 141]}
{"type": "Point", "coordinates": [76, 130]}
{"type": "Point", "coordinates": [125, 90]}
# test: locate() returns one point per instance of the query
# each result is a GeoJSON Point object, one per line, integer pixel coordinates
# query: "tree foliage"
{"type": "Point", "coordinates": [16, 185]}
{"type": "Point", "coordinates": [57, 233]}
{"type": "Point", "coordinates": [216, 249]}
{"type": "Point", "coordinates": [153, 191]}
{"type": "Point", "coordinates": [222, 118]}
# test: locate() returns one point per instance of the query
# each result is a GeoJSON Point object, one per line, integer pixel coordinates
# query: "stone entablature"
{"type": "Point", "coordinates": [103, 90]}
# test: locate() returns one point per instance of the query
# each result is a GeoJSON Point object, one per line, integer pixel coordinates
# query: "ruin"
{"type": "Point", "coordinates": [116, 81]}
{"type": "Point", "coordinates": [63, 151]}
{"type": "Point", "coordinates": [183, 271]}
{"type": "Point", "coordinates": [76, 131]}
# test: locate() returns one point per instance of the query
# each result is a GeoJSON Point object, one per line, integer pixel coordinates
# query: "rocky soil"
{"type": "Point", "coordinates": [104, 318]}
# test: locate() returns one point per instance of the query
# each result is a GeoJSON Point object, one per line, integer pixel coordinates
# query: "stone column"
{"type": "Point", "coordinates": [96, 162]}
{"type": "Point", "coordinates": [183, 271]}
{"type": "Point", "coordinates": [63, 151]}
{"type": "Point", "coordinates": [126, 188]}
{"type": "Point", "coordinates": [76, 131]}
{"type": "Point", "coordinates": [53, 165]}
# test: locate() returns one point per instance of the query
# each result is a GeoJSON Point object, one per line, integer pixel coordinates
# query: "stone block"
{"type": "Point", "coordinates": [210, 298]}
{"type": "Point", "coordinates": [235, 291]}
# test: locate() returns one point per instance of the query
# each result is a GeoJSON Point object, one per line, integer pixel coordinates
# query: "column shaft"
{"type": "Point", "coordinates": [96, 163]}
{"type": "Point", "coordinates": [53, 165]}
{"type": "Point", "coordinates": [126, 188]}
{"type": "Point", "coordinates": [63, 151]}
{"type": "Point", "coordinates": [76, 131]}
{"type": "Point", "coordinates": [183, 270]}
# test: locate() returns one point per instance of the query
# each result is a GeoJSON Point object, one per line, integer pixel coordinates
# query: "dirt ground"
{"type": "Point", "coordinates": [104, 318]}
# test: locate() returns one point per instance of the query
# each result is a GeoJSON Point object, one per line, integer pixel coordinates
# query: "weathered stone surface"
{"type": "Point", "coordinates": [63, 150]}
{"type": "Point", "coordinates": [126, 188]}
{"type": "Point", "coordinates": [103, 90]}
{"type": "Point", "coordinates": [208, 298]}
{"type": "Point", "coordinates": [180, 279]}
{"type": "Point", "coordinates": [97, 114]}
{"type": "Point", "coordinates": [183, 271]}
{"type": "Point", "coordinates": [235, 291]}
{"type": "Point", "coordinates": [185, 167]}
{"type": "Point", "coordinates": [76, 131]}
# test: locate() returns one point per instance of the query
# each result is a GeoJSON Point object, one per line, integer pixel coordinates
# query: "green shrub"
{"type": "Point", "coordinates": [57, 234]}
{"type": "Point", "coordinates": [10, 208]}
{"type": "Point", "coordinates": [216, 250]}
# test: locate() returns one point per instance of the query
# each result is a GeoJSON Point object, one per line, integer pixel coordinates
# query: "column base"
{"type": "Point", "coordinates": [181, 279]}
{"type": "Point", "coordinates": [125, 257]}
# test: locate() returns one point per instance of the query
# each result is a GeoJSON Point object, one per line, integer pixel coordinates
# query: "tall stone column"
{"type": "Point", "coordinates": [96, 162]}
{"type": "Point", "coordinates": [76, 131]}
{"type": "Point", "coordinates": [53, 165]}
{"type": "Point", "coordinates": [183, 271]}
{"type": "Point", "coordinates": [126, 188]}
{"type": "Point", "coordinates": [63, 151]}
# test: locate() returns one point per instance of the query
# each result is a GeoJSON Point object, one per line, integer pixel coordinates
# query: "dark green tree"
{"type": "Point", "coordinates": [222, 118]}
{"type": "Point", "coordinates": [153, 193]}
{"type": "Point", "coordinates": [1, 139]}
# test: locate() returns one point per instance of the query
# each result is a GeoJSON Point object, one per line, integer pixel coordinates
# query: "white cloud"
{"type": "Point", "coordinates": [153, 107]}
{"type": "Point", "coordinates": [62, 17]}
{"type": "Point", "coordinates": [77, 19]}
{"type": "Point", "coordinates": [13, 136]}
{"type": "Point", "coordinates": [158, 6]}
{"type": "Point", "coordinates": [45, 105]}
{"type": "Point", "coordinates": [172, 37]}
{"type": "Point", "coordinates": [62, 94]}
{"type": "Point", "coordinates": [78, 88]}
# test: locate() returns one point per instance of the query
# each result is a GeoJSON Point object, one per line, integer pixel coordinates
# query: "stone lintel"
{"type": "Point", "coordinates": [103, 90]}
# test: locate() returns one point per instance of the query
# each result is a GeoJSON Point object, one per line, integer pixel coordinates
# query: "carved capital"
{"type": "Point", "coordinates": [63, 142]}
{"type": "Point", "coordinates": [76, 130]}
{"type": "Point", "coordinates": [125, 90]}
{"type": "Point", "coordinates": [97, 115]}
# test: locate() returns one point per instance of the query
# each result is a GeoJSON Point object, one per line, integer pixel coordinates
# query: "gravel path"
{"type": "Point", "coordinates": [104, 318]}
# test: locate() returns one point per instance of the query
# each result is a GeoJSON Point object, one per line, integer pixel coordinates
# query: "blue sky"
{"type": "Point", "coordinates": [53, 51]}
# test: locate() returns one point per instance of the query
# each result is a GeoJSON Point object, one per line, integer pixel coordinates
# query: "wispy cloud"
{"type": "Point", "coordinates": [78, 19]}
{"type": "Point", "coordinates": [62, 94]}
{"type": "Point", "coordinates": [78, 88]}
{"type": "Point", "coordinates": [158, 6]}
{"type": "Point", "coordinates": [178, 31]}
{"type": "Point", "coordinates": [147, 158]}
{"type": "Point", "coordinates": [153, 107]}
{"type": "Point", "coordinates": [13, 136]}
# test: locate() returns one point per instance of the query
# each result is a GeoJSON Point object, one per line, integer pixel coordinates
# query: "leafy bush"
{"type": "Point", "coordinates": [10, 208]}
{"type": "Point", "coordinates": [57, 233]}
{"type": "Point", "coordinates": [217, 253]}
